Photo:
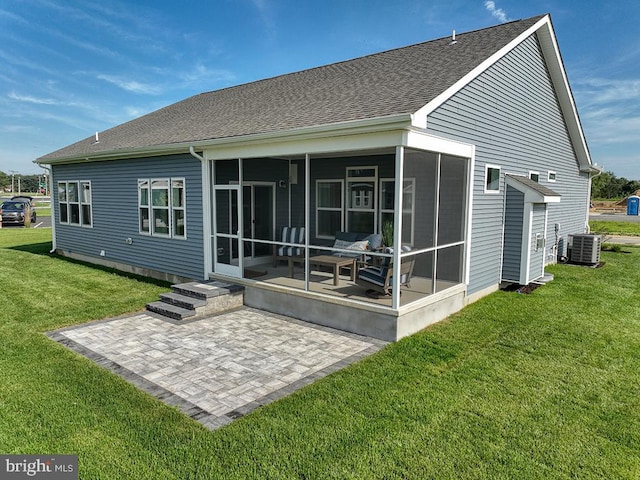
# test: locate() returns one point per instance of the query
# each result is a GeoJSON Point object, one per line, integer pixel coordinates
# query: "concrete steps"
{"type": "Point", "coordinates": [188, 301]}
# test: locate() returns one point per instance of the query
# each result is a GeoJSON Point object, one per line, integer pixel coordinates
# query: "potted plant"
{"type": "Point", "coordinates": [387, 233]}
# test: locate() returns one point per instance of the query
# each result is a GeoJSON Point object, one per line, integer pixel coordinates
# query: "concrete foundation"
{"type": "Point", "coordinates": [356, 317]}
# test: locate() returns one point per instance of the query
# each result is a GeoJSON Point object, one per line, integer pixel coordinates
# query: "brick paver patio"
{"type": "Point", "coordinates": [218, 368]}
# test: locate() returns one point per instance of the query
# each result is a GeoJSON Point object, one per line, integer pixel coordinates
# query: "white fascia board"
{"type": "Point", "coordinates": [348, 136]}
{"type": "Point", "coordinates": [426, 141]}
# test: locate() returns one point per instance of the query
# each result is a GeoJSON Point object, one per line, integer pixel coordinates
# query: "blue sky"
{"type": "Point", "coordinates": [69, 68]}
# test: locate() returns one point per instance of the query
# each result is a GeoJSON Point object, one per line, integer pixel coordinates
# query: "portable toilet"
{"type": "Point", "coordinates": [632, 205]}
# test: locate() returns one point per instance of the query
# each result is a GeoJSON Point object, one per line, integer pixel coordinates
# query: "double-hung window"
{"type": "Point", "coordinates": [329, 207]}
{"type": "Point", "coordinates": [74, 203]}
{"type": "Point", "coordinates": [362, 199]}
{"type": "Point", "coordinates": [162, 207]}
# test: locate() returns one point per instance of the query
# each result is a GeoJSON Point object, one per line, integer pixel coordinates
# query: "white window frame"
{"type": "Point", "coordinates": [171, 209]}
{"type": "Point", "coordinates": [64, 184]}
{"type": "Point", "coordinates": [486, 179]}
{"type": "Point", "coordinates": [330, 209]}
{"type": "Point", "coordinates": [85, 202]}
{"type": "Point", "coordinates": [532, 173]}
{"type": "Point", "coordinates": [374, 201]}
{"type": "Point", "coordinates": [551, 173]}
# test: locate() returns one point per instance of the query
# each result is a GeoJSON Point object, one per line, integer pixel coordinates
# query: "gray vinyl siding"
{"type": "Point", "coordinates": [513, 227]}
{"type": "Point", "coordinates": [510, 112]}
{"type": "Point", "coordinates": [114, 191]}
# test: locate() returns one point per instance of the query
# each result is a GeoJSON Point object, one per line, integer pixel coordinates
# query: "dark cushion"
{"type": "Point", "coordinates": [347, 236]}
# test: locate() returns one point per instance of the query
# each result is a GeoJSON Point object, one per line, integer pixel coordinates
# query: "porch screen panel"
{"type": "Point", "coordinates": [449, 267]}
{"type": "Point", "coordinates": [223, 211]}
{"type": "Point", "coordinates": [422, 277]}
{"type": "Point", "coordinates": [420, 177]}
{"type": "Point", "coordinates": [452, 209]}
{"type": "Point", "coordinates": [227, 172]}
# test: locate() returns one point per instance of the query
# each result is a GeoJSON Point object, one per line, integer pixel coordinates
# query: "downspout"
{"type": "Point", "coordinates": [194, 154]}
{"type": "Point", "coordinates": [53, 219]}
{"type": "Point", "coordinates": [206, 212]}
{"type": "Point", "coordinates": [599, 171]}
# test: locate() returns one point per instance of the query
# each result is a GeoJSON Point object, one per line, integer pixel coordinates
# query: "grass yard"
{"type": "Point", "coordinates": [615, 228]}
{"type": "Point", "coordinates": [539, 386]}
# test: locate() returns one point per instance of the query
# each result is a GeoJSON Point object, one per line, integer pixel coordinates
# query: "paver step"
{"type": "Point", "coordinates": [206, 290]}
{"type": "Point", "coordinates": [190, 303]}
{"type": "Point", "coordinates": [198, 299]}
{"type": "Point", "coordinates": [169, 310]}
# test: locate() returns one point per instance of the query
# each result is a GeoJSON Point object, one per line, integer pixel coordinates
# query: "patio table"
{"type": "Point", "coordinates": [336, 263]}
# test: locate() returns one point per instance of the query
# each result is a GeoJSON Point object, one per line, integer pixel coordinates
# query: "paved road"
{"type": "Point", "coordinates": [41, 222]}
{"type": "Point", "coordinates": [614, 217]}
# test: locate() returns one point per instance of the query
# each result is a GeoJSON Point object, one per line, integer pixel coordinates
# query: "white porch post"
{"type": "Point", "coordinates": [307, 196]}
{"type": "Point", "coordinates": [397, 226]}
{"type": "Point", "coordinates": [207, 200]}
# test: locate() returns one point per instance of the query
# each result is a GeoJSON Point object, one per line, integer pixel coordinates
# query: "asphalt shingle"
{"type": "Point", "coordinates": [387, 83]}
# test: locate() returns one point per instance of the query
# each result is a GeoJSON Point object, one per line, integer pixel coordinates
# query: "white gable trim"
{"type": "Point", "coordinates": [421, 115]}
{"type": "Point", "coordinates": [553, 60]}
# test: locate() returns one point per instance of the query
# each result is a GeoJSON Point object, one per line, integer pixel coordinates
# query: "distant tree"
{"type": "Point", "coordinates": [30, 183]}
{"type": "Point", "coordinates": [5, 180]}
{"type": "Point", "coordinates": [607, 185]}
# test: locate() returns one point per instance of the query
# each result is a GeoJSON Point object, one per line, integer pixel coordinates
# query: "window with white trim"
{"type": "Point", "coordinates": [74, 203]}
{"type": "Point", "coordinates": [535, 176]}
{"type": "Point", "coordinates": [329, 207]}
{"type": "Point", "coordinates": [162, 207]}
{"type": "Point", "coordinates": [551, 176]}
{"type": "Point", "coordinates": [362, 192]}
{"type": "Point", "coordinates": [491, 179]}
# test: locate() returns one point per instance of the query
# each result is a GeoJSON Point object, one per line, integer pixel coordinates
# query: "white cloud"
{"type": "Point", "coordinates": [30, 99]}
{"type": "Point", "coordinates": [200, 73]}
{"type": "Point", "coordinates": [131, 85]}
{"type": "Point", "coordinates": [497, 13]}
{"type": "Point", "coordinates": [266, 17]}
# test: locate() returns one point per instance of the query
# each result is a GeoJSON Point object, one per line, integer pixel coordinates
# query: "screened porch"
{"type": "Point", "coordinates": [320, 224]}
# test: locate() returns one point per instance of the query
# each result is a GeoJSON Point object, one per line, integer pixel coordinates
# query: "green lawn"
{"type": "Point", "coordinates": [536, 386]}
{"type": "Point", "coordinates": [615, 228]}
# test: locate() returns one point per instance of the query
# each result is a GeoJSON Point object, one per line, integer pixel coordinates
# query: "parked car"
{"type": "Point", "coordinates": [15, 211]}
{"type": "Point", "coordinates": [24, 198]}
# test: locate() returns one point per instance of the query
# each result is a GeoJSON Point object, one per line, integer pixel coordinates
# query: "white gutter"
{"type": "Point", "coordinates": [367, 125]}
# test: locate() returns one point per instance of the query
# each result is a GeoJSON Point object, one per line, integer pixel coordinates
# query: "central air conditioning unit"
{"type": "Point", "coordinates": [584, 248]}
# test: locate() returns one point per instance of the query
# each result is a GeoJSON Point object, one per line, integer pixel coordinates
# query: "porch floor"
{"type": "Point", "coordinates": [322, 282]}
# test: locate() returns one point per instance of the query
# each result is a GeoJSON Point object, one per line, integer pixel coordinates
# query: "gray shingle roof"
{"type": "Point", "coordinates": [535, 186]}
{"type": "Point", "coordinates": [388, 83]}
